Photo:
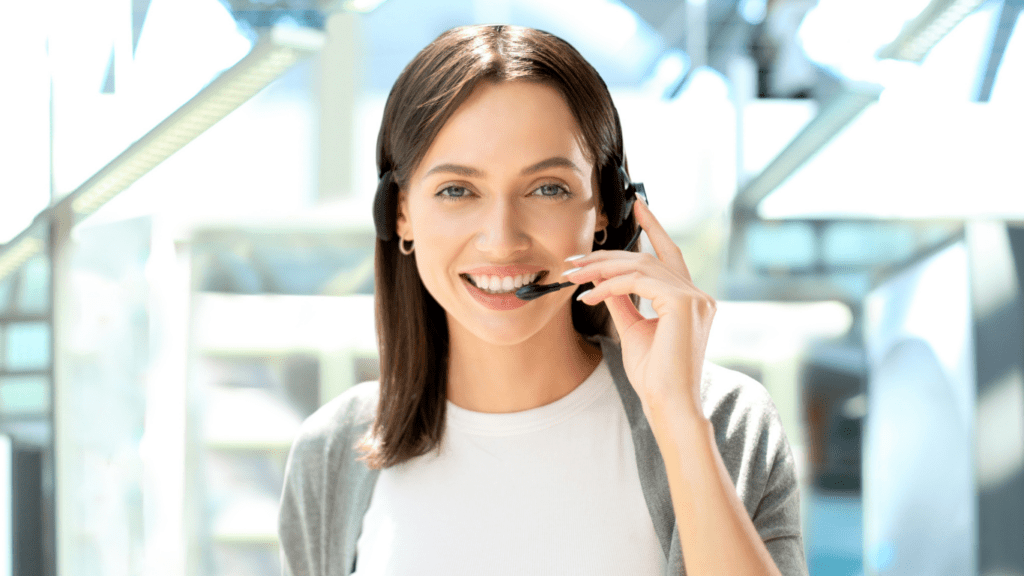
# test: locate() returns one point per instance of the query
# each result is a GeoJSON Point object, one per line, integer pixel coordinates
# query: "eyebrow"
{"type": "Point", "coordinates": [458, 170]}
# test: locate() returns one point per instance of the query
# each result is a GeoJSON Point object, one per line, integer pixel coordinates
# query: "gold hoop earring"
{"type": "Point", "coordinates": [604, 237]}
{"type": "Point", "coordinates": [403, 249]}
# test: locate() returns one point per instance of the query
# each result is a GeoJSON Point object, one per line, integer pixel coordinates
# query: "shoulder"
{"type": "Point", "coordinates": [756, 453]}
{"type": "Point", "coordinates": [730, 397]}
{"type": "Point", "coordinates": [335, 428]}
{"type": "Point", "coordinates": [748, 431]}
{"type": "Point", "coordinates": [742, 412]}
{"type": "Point", "coordinates": [326, 488]}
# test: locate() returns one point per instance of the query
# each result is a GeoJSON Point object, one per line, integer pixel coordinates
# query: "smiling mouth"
{"type": "Point", "coordinates": [506, 285]}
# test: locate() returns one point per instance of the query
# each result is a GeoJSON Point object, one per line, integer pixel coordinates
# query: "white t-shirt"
{"type": "Point", "coordinates": [552, 490]}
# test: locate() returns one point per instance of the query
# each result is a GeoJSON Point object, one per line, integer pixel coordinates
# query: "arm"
{"type": "Point", "coordinates": [326, 488]}
{"type": "Point", "coordinates": [663, 358]}
{"type": "Point", "coordinates": [716, 534]}
{"type": "Point", "coordinates": [298, 518]}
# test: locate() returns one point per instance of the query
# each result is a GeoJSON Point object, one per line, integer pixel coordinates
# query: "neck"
{"type": "Point", "coordinates": [488, 377]}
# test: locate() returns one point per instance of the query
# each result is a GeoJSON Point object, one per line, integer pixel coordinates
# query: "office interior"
{"type": "Point", "coordinates": [186, 253]}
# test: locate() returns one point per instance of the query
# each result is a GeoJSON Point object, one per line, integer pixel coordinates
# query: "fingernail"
{"type": "Point", "coordinates": [582, 294]}
{"type": "Point", "coordinates": [576, 257]}
{"type": "Point", "coordinates": [571, 270]}
{"type": "Point", "coordinates": [641, 199]}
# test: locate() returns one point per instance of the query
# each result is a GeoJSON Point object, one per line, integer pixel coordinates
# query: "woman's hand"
{"type": "Point", "coordinates": [664, 359]}
{"type": "Point", "coordinates": [663, 356]}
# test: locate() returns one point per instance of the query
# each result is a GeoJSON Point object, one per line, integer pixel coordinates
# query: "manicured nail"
{"type": "Point", "coordinates": [571, 270]}
{"type": "Point", "coordinates": [582, 294]}
{"type": "Point", "coordinates": [576, 257]}
{"type": "Point", "coordinates": [641, 199]}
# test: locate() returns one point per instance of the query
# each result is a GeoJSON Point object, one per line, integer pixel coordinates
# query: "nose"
{"type": "Point", "coordinates": [502, 231]}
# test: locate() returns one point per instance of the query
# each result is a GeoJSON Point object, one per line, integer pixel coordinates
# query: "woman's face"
{"type": "Point", "coordinates": [504, 193]}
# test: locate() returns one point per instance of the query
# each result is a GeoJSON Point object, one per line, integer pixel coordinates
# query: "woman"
{"type": "Point", "coordinates": [565, 434]}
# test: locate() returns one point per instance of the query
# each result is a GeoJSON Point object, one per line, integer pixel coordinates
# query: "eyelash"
{"type": "Point", "coordinates": [564, 193]}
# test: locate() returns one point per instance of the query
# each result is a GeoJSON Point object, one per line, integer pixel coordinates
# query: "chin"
{"type": "Point", "coordinates": [511, 329]}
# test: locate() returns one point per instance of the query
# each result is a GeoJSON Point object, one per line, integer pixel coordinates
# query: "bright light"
{"type": "Point", "coordinates": [936, 30]}
{"type": "Point", "coordinates": [668, 73]}
{"type": "Point", "coordinates": [671, 66]}
{"type": "Point", "coordinates": [17, 253]}
{"type": "Point", "coordinates": [609, 24]}
{"type": "Point", "coordinates": [282, 47]}
{"type": "Point", "coordinates": [753, 11]}
{"type": "Point", "coordinates": [938, 160]}
{"type": "Point", "coordinates": [769, 330]}
{"type": "Point", "coordinates": [846, 35]}
{"type": "Point", "coordinates": [618, 20]}
{"type": "Point", "coordinates": [361, 5]}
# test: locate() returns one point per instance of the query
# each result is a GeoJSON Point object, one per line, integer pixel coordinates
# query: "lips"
{"type": "Point", "coordinates": [506, 280]}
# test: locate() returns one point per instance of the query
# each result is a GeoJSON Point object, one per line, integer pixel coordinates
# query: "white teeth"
{"type": "Point", "coordinates": [502, 284]}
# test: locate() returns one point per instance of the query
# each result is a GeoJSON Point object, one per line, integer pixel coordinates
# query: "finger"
{"type": "Point", "coordinates": [664, 296]}
{"type": "Point", "coordinates": [624, 314]}
{"type": "Point", "coordinates": [609, 266]}
{"type": "Point", "coordinates": [662, 243]}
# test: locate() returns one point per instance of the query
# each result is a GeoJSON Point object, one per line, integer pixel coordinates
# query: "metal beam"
{"type": "Point", "coordinates": [1008, 16]}
{"type": "Point", "coordinates": [922, 33]}
{"type": "Point", "coordinates": [276, 51]}
{"type": "Point", "coordinates": [821, 277]}
{"type": "Point", "coordinates": [833, 117]}
{"type": "Point", "coordinates": [996, 259]}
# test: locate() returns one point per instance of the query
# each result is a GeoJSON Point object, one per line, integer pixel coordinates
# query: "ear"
{"type": "Point", "coordinates": [404, 227]}
{"type": "Point", "coordinates": [602, 222]}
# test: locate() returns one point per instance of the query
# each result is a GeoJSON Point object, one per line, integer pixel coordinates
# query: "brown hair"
{"type": "Point", "coordinates": [411, 326]}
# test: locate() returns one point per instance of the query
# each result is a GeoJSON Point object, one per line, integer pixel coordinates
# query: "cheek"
{"type": "Point", "coordinates": [572, 233]}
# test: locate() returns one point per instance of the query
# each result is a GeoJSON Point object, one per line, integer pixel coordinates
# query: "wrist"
{"type": "Point", "coordinates": [673, 420]}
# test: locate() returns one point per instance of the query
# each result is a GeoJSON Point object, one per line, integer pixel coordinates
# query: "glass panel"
{"type": "Point", "coordinates": [24, 395]}
{"type": "Point", "coordinates": [28, 346]}
{"type": "Point", "coordinates": [781, 245]}
{"type": "Point", "coordinates": [34, 297]}
{"type": "Point", "coordinates": [862, 244]}
{"type": "Point", "coordinates": [6, 286]}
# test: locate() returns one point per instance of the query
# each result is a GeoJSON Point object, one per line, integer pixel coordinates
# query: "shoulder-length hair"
{"type": "Point", "coordinates": [411, 326]}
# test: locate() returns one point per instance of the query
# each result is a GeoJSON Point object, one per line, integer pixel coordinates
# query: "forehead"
{"type": "Point", "coordinates": [505, 125]}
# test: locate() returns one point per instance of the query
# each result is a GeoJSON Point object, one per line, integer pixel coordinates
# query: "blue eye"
{"type": "Point", "coordinates": [552, 191]}
{"type": "Point", "coordinates": [453, 192]}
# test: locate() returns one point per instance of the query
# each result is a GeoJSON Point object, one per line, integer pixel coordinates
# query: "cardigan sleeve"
{"type": "Point", "coordinates": [777, 515]}
{"type": "Point", "coordinates": [300, 517]}
{"type": "Point", "coordinates": [326, 488]}
{"type": "Point", "coordinates": [757, 454]}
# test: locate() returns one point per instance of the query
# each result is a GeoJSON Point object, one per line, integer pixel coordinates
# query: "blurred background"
{"type": "Point", "coordinates": [186, 255]}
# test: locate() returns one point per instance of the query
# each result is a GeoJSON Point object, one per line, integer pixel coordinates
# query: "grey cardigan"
{"type": "Point", "coordinates": [327, 490]}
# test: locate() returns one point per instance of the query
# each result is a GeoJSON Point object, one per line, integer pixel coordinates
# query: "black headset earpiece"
{"type": "Point", "coordinates": [629, 196]}
{"type": "Point", "coordinates": [620, 195]}
{"type": "Point", "coordinates": [385, 209]}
